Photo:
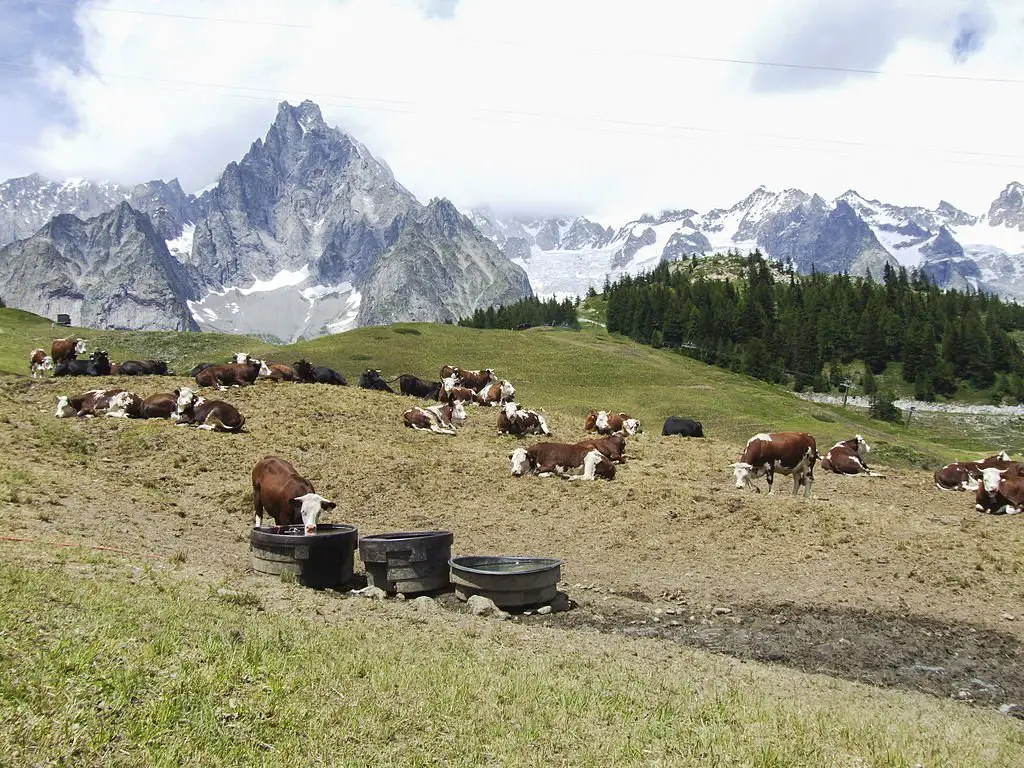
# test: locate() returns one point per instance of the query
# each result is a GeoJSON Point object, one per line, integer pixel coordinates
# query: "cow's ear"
{"type": "Point", "coordinates": [327, 504]}
{"type": "Point", "coordinates": [177, 393]}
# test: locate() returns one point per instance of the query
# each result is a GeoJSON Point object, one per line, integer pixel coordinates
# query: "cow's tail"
{"type": "Point", "coordinates": [392, 381]}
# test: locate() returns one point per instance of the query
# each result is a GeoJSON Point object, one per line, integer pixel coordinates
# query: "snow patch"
{"type": "Point", "coordinates": [182, 245]}
{"type": "Point", "coordinates": [283, 279]}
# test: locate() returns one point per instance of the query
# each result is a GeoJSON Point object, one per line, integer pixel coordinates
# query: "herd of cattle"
{"type": "Point", "coordinates": [998, 481]}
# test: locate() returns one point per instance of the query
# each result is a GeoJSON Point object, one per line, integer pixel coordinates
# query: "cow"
{"type": "Point", "coordinates": [999, 492]}
{"type": "Point", "coordinates": [215, 415]}
{"type": "Point", "coordinates": [282, 372]}
{"type": "Point", "coordinates": [232, 374]}
{"type": "Point", "coordinates": [39, 361]}
{"type": "Point", "coordinates": [476, 380]}
{"type": "Point", "coordinates": [966, 475]}
{"type": "Point", "coordinates": [460, 395]}
{"type": "Point", "coordinates": [611, 446]}
{"type": "Point", "coordinates": [546, 459]}
{"type": "Point", "coordinates": [677, 425]}
{"type": "Point", "coordinates": [308, 373]}
{"type": "Point", "coordinates": [496, 393]}
{"type": "Point", "coordinates": [62, 350]}
{"type": "Point", "coordinates": [408, 384]}
{"type": "Point", "coordinates": [609, 423]}
{"type": "Point", "coordinates": [791, 453]}
{"type": "Point", "coordinates": [97, 365]}
{"type": "Point", "coordinates": [848, 457]}
{"type": "Point", "coordinates": [447, 371]}
{"type": "Point", "coordinates": [97, 402]}
{"type": "Point", "coordinates": [371, 379]}
{"type": "Point", "coordinates": [437, 418]}
{"type": "Point", "coordinates": [200, 367]}
{"type": "Point", "coordinates": [513, 420]}
{"type": "Point", "coordinates": [140, 368]}
{"type": "Point", "coordinates": [159, 406]}
{"type": "Point", "coordinates": [281, 492]}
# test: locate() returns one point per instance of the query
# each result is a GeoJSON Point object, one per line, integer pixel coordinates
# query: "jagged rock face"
{"type": "Point", "coordinates": [441, 268]}
{"type": "Point", "coordinates": [167, 205]}
{"type": "Point", "coordinates": [28, 202]}
{"type": "Point", "coordinates": [516, 248]}
{"type": "Point", "coordinates": [633, 244]}
{"type": "Point", "coordinates": [112, 271]}
{"type": "Point", "coordinates": [684, 244]}
{"type": "Point", "coordinates": [959, 274]}
{"type": "Point", "coordinates": [584, 233]}
{"type": "Point", "coordinates": [1007, 210]}
{"type": "Point", "coordinates": [942, 246]}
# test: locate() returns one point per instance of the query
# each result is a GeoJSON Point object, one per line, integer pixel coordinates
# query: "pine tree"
{"type": "Point", "coordinates": [868, 383]}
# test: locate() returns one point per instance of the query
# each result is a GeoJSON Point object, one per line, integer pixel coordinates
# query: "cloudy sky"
{"type": "Point", "coordinates": [535, 106]}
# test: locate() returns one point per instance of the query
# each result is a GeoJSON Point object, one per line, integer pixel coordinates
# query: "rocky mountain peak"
{"type": "Point", "coordinates": [1007, 210]}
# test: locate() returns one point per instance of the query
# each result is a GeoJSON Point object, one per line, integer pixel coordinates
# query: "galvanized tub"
{"type": "Point", "coordinates": [323, 559]}
{"type": "Point", "coordinates": [510, 581]}
{"type": "Point", "coordinates": [407, 561]}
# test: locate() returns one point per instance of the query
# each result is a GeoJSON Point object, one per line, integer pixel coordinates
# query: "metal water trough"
{"type": "Point", "coordinates": [407, 561]}
{"type": "Point", "coordinates": [323, 559]}
{"type": "Point", "coordinates": [511, 582]}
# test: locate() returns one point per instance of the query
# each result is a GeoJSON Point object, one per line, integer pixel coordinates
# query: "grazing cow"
{"type": "Point", "coordinates": [371, 379]}
{"type": "Point", "coordinates": [97, 402]}
{"type": "Point", "coordinates": [611, 446]}
{"type": "Point", "coordinates": [215, 415]}
{"type": "Point", "coordinates": [281, 492]}
{"type": "Point", "coordinates": [496, 393]}
{"type": "Point", "coordinates": [676, 425]}
{"type": "Point", "coordinates": [97, 365]}
{"type": "Point", "coordinates": [158, 406]}
{"type": "Point", "coordinates": [308, 373]}
{"type": "Point", "coordinates": [546, 459]}
{"type": "Point", "coordinates": [140, 368]}
{"type": "Point", "coordinates": [232, 374]}
{"type": "Point", "coordinates": [791, 453]}
{"type": "Point", "coordinates": [436, 418]}
{"type": "Point", "coordinates": [608, 423]}
{"type": "Point", "coordinates": [848, 457]}
{"type": "Point", "coordinates": [201, 367]}
{"type": "Point", "coordinates": [62, 350]}
{"type": "Point", "coordinates": [513, 420]}
{"type": "Point", "coordinates": [966, 475]}
{"type": "Point", "coordinates": [1000, 492]}
{"type": "Point", "coordinates": [39, 361]}
{"type": "Point", "coordinates": [408, 384]}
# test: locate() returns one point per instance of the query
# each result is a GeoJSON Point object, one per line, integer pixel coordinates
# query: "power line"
{"type": "Point", "coordinates": [592, 50]}
{"type": "Point", "coordinates": [612, 125]}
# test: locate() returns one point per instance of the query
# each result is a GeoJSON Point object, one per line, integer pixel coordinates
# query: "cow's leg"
{"type": "Point", "coordinates": [769, 476]}
{"type": "Point", "coordinates": [546, 470]}
{"type": "Point", "coordinates": [257, 503]}
{"type": "Point", "coordinates": [808, 482]}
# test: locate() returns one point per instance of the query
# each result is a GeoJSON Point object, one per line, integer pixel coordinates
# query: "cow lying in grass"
{"type": "Point", "coordinates": [96, 402]}
{"type": "Point", "coordinates": [848, 457]}
{"type": "Point", "coordinates": [215, 415]}
{"type": "Point", "coordinates": [608, 423]}
{"type": "Point", "coordinates": [513, 420]}
{"type": "Point", "coordinates": [437, 418]}
{"type": "Point", "coordinates": [281, 492]}
{"type": "Point", "coordinates": [546, 459]}
{"type": "Point", "coordinates": [966, 475]}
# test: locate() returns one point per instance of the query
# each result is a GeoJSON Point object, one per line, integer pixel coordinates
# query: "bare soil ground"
{"type": "Point", "coordinates": [883, 580]}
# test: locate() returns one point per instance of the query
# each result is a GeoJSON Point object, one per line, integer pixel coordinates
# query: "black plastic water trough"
{"type": "Point", "coordinates": [323, 559]}
{"type": "Point", "coordinates": [407, 561]}
{"type": "Point", "coordinates": [511, 582]}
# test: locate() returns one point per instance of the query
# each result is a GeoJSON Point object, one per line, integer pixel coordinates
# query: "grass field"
{"type": "Point", "coordinates": [893, 595]}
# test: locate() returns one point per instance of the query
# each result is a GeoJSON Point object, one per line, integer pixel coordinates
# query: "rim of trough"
{"type": "Point", "coordinates": [542, 564]}
{"type": "Point", "coordinates": [406, 535]}
{"type": "Point", "coordinates": [325, 532]}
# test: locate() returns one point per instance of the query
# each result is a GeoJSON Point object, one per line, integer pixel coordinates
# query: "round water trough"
{"type": "Point", "coordinates": [323, 559]}
{"type": "Point", "coordinates": [511, 582]}
{"type": "Point", "coordinates": [407, 561]}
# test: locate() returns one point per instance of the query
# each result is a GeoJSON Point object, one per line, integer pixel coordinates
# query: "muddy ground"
{"type": "Point", "coordinates": [882, 580]}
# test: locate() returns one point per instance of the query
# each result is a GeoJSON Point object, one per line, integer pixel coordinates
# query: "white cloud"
{"type": "Point", "coordinates": [535, 105]}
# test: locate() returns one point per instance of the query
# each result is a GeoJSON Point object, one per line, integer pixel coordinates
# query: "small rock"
{"type": "Point", "coordinates": [721, 610]}
{"type": "Point", "coordinates": [544, 610]}
{"type": "Point", "coordinates": [483, 606]}
{"type": "Point", "coordinates": [529, 613]}
{"type": "Point", "coordinates": [963, 695]}
{"type": "Point", "coordinates": [598, 618]}
{"type": "Point", "coordinates": [223, 592]}
{"type": "Point", "coordinates": [1013, 710]}
{"type": "Point", "coordinates": [425, 604]}
{"type": "Point", "coordinates": [674, 623]}
{"type": "Point", "coordinates": [658, 611]}
{"type": "Point", "coordinates": [656, 619]}
{"type": "Point", "coordinates": [400, 596]}
{"type": "Point", "coordinates": [1009, 617]}
{"type": "Point", "coordinates": [374, 593]}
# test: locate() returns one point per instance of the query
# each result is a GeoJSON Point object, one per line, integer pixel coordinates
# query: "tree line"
{"type": "Point", "coordinates": [800, 329]}
{"type": "Point", "coordinates": [525, 313]}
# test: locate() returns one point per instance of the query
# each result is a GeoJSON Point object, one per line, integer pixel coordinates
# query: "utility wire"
{"type": "Point", "coordinates": [592, 50]}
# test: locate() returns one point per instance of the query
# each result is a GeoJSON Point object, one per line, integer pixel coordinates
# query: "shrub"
{"type": "Point", "coordinates": [883, 407]}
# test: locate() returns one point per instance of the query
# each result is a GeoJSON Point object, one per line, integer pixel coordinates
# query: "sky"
{"type": "Point", "coordinates": [536, 107]}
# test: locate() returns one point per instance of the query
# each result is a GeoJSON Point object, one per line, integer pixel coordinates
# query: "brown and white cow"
{"type": "Point", "coordinates": [474, 380]}
{"type": "Point", "coordinates": [39, 361]}
{"type": "Point", "coordinates": [611, 446]}
{"type": "Point", "coordinates": [966, 475]}
{"type": "Point", "coordinates": [282, 372]}
{"type": "Point", "coordinates": [232, 374]}
{"type": "Point", "coordinates": [496, 393]}
{"type": "Point", "coordinates": [546, 459]}
{"type": "Point", "coordinates": [460, 395]}
{"type": "Point", "coordinates": [513, 420]}
{"type": "Point", "coordinates": [437, 418]}
{"type": "Point", "coordinates": [609, 423]}
{"type": "Point", "coordinates": [280, 491]}
{"type": "Point", "coordinates": [1001, 491]}
{"type": "Point", "coordinates": [62, 350]}
{"type": "Point", "coordinates": [215, 415]}
{"type": "Point", "coordinates": [117, 403]}
{"type": "Point", "coordinates": [791, 453]}
{"type": "Point", "coordinates": [159, 406]}
{"type": "Point", "coordinates": [848, 457]}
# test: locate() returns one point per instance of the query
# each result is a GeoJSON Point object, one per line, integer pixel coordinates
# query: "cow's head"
{"type": "Point", "coordinates": [990, 479]}
{"type": "Point", "coordinates": [47, 363]}
{"type": "Point", "coordinates": [304, 370]}
{"type": "Point", "coordinates": [521, 463]}
{"type": "Point", "coordinates": [490, 374]}
{"type": "Point", "coordinates": [186, 397]}
{"type": "Point", "coordinates": [508, 392]}
{"type": "Point", "coordinates": [510, 409]}
{"type": "Point", "coordinates": [744, 473]}
{"type": "Point", "coordinates": [80, 347]}
{"type": "Point", "coordinates": [459, 411]}
{"type": "Point", "coordinates": [1003, 456]}
{"type": "Point", "coordinates": [863, 449]}
{"type": "Point", "coordinates": [450, 383]}
{"type": "Point", "coordinates": [309, 508]}
{"type": "Point", "coordinates": [601, 421]}
{"type": "Point", "coordinates": [64, 408]}
{"type": "Point", "coordinates": [631, 426]}
{"type": "Point", "coordinates": [240, 357]}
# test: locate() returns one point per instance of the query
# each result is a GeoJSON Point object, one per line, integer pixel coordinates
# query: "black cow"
{"type": "Point", "coordinates": [417, 387]}
{"type": "Point", "coordinates": [317, 374]}
{"type": "Point", "coordinates": [201, 367]}
{"type": "Point", "coordinates": [371, 379]}
{"type": "Point", "coordinates": [677, 425]}
{"type": "Point", "coordinates": [143, 368]}
{"type": "Point", "coordinates": [97, 365]}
